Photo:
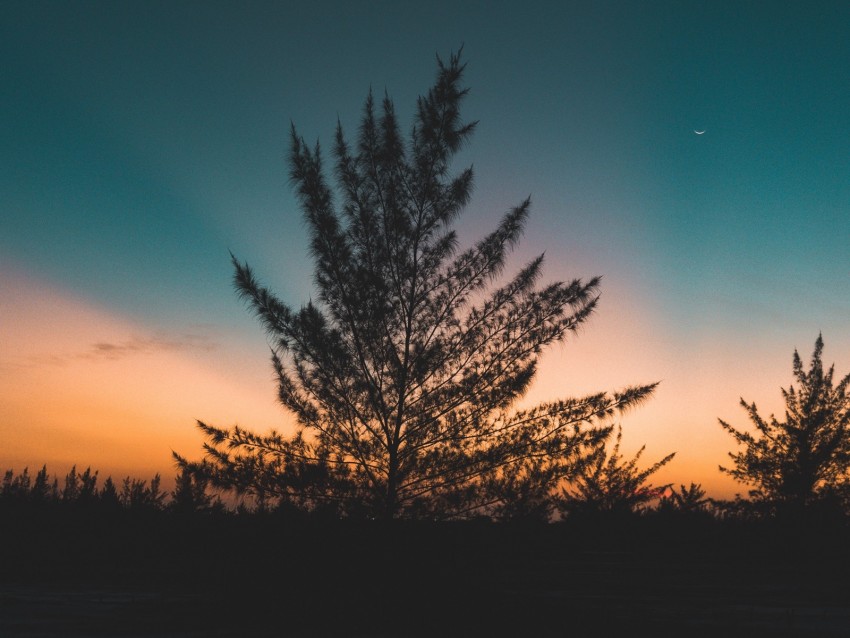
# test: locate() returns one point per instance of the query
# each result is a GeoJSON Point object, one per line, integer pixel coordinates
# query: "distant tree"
{"type": "Point", "coordinates": [689, 499]}
{"type": "Point", "coordinates": [24, 488]}
{"type": "Point", "coordinates": [191, 494]}
{"type": "Point", "coordinates": [806, 457]}
{"type": "Point", "coordinates": [6, 488]}
{"type": "Point", "coordinates": [72, 486]}
{"type": "Point", "coordinates": [80, 488]}
{"type": "Point", "coordinates": [606, 483]}
{"type": "Point", "coordinates": [109, 496]}
{"type": "Point", "coordinates": [403, 376]}
{"type": "Point", "coordinates": [137, 495]}
{"type": "Point", "coordinates": [88, 485]}
{"type": "Point", "coordinates": [16, 486]}
{"type": "Point", "coordinates": [43, 490]}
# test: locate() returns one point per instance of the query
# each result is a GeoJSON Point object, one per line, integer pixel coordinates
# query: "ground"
{"type": "Point", "coordinates": [176, 578]}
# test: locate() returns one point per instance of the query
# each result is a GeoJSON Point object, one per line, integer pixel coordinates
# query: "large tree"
{"type": "Point", "coordinates": [797, 461]}
{"type": "Point", "coordinates": [403, 373]}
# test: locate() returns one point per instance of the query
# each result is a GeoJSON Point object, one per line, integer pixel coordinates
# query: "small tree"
{"type": "Point", "coordinates": [805, 457]}
{"type": "Point", "coordinates": [108, 496]}
{"type": "Point", "coordinates": [190, 494]}
{"type": "Point", "coordinates": [43, 490]}
{"type": "Point", "coordinates": [16, 486]}
{"type": "Point", "coordinates": [80, 488]}
{"type": "Point", "coordinates": [687, 500]}
{"type": "Point", "coordinates": [137, 495]}
{"type": "Point", "coordinates": [606, 483]}
{"type": "Point", "coordinates": [402, 377]}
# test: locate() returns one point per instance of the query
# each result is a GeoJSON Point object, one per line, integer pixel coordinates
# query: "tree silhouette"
{"type": "Point", "coordinates": [606, 483]}
{"type": "Point", "coordinates": [690, 499]}
{"type": "Point", "coordinates": [80, 488]}
{"type": "Point", "coordinates": [190, 494]}
{"type": "Point", "coordinates": [403, 374]}
{"type": "Point", "coordinates": [137, 495]}
{"type": "Point", "coordinates": [804, 458]}
{"type": "Point", "coordinates": [25, 488]}
{"type": "Point", "coordinates": [109, 497]}
{"type": "Point", "coordinates": [16, 486]}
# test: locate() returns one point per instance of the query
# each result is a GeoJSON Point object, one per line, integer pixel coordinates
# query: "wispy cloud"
{"type": "Point", "coordinates": [134, 346]}
{"type": "Point", "coordinates": [115, 350]}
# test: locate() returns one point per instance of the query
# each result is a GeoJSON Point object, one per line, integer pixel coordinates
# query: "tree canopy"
{"type": "Point", "coordinates": [404, 372]}
{"type": "Point", "coordinates": [806, 456]}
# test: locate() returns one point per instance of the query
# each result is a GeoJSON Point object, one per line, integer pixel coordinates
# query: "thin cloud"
{"type": "Point", "coordinates": [133, 346]}
{"type": "Point", "coordinates": [113, 350]}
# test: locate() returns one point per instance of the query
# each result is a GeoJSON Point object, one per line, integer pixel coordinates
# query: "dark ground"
{"type": "Point", "coordinates": [65, 574]}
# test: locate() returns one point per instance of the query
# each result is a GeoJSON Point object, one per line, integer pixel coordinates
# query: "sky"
{"type": "Point", "coordinates": [140, 142]}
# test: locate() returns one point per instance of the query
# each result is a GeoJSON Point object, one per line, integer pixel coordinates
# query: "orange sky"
{"type": "Point", "coordinates": [84, 385]}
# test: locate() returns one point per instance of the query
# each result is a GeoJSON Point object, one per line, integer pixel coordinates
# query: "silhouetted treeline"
{"type": "Point", "coordinates": [617, 494]}
{"type": "Point", "coordinates": [83, 491]}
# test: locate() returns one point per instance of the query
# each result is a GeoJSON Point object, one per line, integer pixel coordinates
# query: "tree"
{"type": "Point", "coordinates": [606, 483]}
{"type": "Point", "coordinates": [402, 375]}
{"type": "Point", "coordinates": [136, 495]}
{"type": "Point", "coordinates": [80, 488]}
{"type": "Point", "coordinates": [109, 498]}
{"type": "Point", "coordinates": [686, 500]}
{"type": "Point", "coordinates": [804, 458]}
{"type": "Point", "coordinates": [190, 494]}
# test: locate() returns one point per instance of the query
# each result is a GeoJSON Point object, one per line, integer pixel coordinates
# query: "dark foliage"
{"type": "Point", "coordinates": [690, 500]}
{"type": "Point", "coordinates": [81, 488]}
{"type": "Point", "coordinates": [606, 483]}
{"type": "Point", "coordinates": [23, 487]}
{"type": "Point", "coordinates": [79, 492]}
{"type": "Point", "coordinates": [192, 494]}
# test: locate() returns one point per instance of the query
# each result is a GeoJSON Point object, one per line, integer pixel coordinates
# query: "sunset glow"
{"type": "Point", "coordinates": [148, 141]}
{"type": "Point", "coordinates": [86, 387]}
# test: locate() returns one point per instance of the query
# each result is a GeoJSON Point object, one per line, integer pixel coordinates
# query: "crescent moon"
{"type": "Point", "coordinates": [698, 132]}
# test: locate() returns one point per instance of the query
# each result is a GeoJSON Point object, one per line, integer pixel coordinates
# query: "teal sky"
{"type": "Point", "coordinates": [143, 140]}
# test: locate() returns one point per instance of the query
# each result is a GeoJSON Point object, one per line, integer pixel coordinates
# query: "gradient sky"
{"type": "Point", "coordinates": [142, 141]}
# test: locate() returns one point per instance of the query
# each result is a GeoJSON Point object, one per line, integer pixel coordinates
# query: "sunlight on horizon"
{"type": "Point", "coordinates": [88, 387]}
{"type": "Point", "coordinates": [92, 388]}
